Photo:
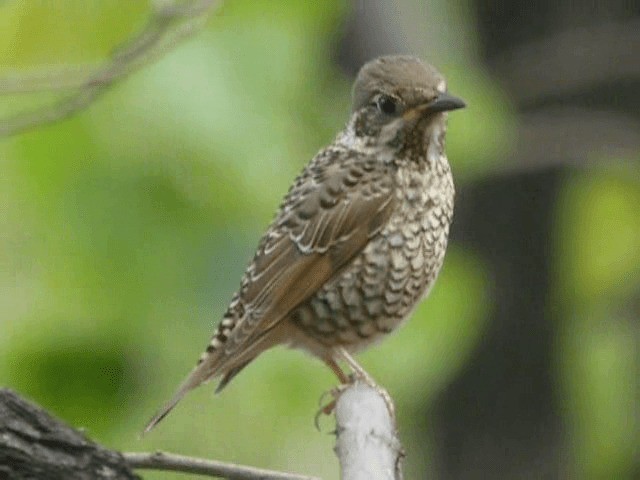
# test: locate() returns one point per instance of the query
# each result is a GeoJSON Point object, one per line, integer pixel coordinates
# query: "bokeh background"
{"type": "Point", "coordinates": [125, 229]}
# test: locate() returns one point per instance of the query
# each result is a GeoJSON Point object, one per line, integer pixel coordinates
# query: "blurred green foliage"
{"type": "Point", "coordinates": [124, 231]}
{"type": "Point", "coordinates": [598, 248]}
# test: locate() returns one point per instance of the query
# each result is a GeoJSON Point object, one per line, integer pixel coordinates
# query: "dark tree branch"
{"type": "Point", "coordinates": [33, 444]}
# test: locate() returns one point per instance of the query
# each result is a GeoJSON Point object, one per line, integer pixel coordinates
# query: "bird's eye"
{"type": "Point", "coordinates": [387, 104]}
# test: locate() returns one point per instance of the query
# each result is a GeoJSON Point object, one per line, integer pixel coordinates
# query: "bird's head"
{"type": "Point", "coordinates": [397, 100]}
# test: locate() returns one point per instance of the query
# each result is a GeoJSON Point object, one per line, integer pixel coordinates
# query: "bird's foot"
{"type": "Point", "coordinates": [360, 374]}
{"type": "Point", "coordinates": [328, 408]}
{"type": "Point", "coordinates": [334, 393]}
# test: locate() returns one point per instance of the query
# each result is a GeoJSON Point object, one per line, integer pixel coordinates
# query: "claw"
{"type": "Point", "coordinates": [324, 410]}
{"type": "Point", "coordinates": [328, 408]}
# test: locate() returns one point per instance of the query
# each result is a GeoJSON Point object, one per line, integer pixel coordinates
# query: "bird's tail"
{"type": "Point", "coordinates": [195, 378]}
{"type": "Point", "coordinates": [213, 363]}
{"type": "Point", "coordinates": [157, 418]}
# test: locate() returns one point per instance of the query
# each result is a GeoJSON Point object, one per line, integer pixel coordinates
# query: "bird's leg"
{"type": "Point", "coordinates": [360, 373]}
{"type": "Point", "coordinates": [332, 364]}
{"type": "Point", "coordinates": [334, 392]}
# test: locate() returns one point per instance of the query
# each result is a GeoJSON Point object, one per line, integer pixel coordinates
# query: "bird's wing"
{"type": "Point", "coordinates": [333, 209]}
{"type": "Point", "coordinates": [331, 212]}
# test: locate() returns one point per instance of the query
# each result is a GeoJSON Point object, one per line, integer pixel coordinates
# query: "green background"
{"type": "Point", "coordinates": [124, 232]}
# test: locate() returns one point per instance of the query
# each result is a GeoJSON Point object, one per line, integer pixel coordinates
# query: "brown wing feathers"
{"type": "Point", "coordinates": [320, 227]}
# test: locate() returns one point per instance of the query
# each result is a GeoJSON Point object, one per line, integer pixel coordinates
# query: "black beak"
{"type": "Point", "coordinates": [443, 103]}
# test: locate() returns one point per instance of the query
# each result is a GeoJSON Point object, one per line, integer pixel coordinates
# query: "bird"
{"type": "Point", "coordinates": [357, 241]}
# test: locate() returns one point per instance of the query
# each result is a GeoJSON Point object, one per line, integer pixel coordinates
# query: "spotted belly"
{"type": "Point", "coordinates": [379, 289]}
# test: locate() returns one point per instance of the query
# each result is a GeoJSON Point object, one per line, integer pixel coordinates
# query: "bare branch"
{"type": "Point", "coordinates": [33, 444]}
{"type": "Point", "coordinates": [367, 443]}
{"type": "Point", "coordinates": [180, 463]}
{"type": "Point", "coordinates": [169, 24]}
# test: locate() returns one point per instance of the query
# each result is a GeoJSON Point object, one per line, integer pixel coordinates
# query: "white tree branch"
{"type": "Point", "coordinates": [367, 443]}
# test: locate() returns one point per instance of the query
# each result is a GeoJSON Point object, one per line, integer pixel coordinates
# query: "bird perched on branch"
{"type": "Point", "coordinates": [359, 238]}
